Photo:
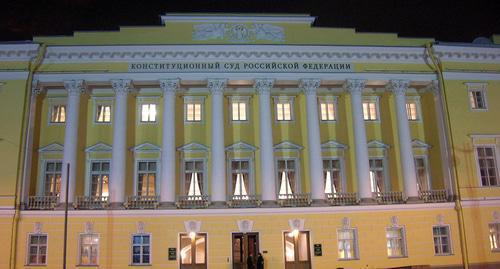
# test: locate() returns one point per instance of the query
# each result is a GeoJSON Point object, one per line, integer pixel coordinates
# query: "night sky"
{"type": "Point", "coordinates": [442, 20]}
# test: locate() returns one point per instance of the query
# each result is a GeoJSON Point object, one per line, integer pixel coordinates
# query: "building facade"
{"type": "Point", "coordinates": [207, 140]}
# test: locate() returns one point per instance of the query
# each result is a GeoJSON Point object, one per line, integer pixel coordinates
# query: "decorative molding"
{"type": "Point", "coordinates": [287, 145]}
{"type": "Point", "coordinates": [496, 216]}
{"type": "Point", "coordinates": [140, 227]}
{"type": "Point", "coordinates": [121, 86]}
{"type": "Point", "coordinates": [216, 86]}
{"type": "Point", "coordinates": [240, 146]}
{"type": "Point", "coordinates": [377, 144]}
{"type": "Point", "coordinates": [346, 223]}
{"type": "Point", "coordinates": [99, 147]}
{"type": "Point", "coordinates": [192, 226]}
{"type": "Point", "coordinates": [296, 224]}
{"type": "Point", "coordinates": [145, 147]}
{"type": "Point", "coordinates": [394, 221]}
{"type": "Point", "coordinates": [52, 148]}
{"type": "Point", "coordinates": [170, 86]}
{"type": "Point", "coordinates": [193, 147]}
{"type": "Point", "coordinates": [467, 54]}
{"type": "Point", "coordinates": [398, 87]}
{"type": "Point", "coordinates": [464, 75]}
{"type": "Point", "coordinates": [309, 85]}
{"type": "Point", "coordinates": [440, 219]}
{"type": "Point", "coordinates": [37, 227]}
{"type": "Point", "coordinates": [74, 87]}
{"type": "Point", "coordinates": [263, 85]}
{"type": "Point", "coordinates": [355, 86]}
{"type": "Point", "coordinates": [245, 226]}
{"type": "Point", "coordinates": [18, 52]}
{"type": "Point", "coordinates": [332, 144]}
{"type": "Point", "coordinates": [418, 144]}
{"type": "Point", "coordinates": [89, 227]}
{"type": "Point", "coordinates": [173, 17]}
{"type": "Point", "coordinates": [35, 88]}
{"type": "Point", "coordinates": [238, 32]}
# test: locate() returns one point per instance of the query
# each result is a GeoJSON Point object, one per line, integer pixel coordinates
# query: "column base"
{"type": "Point", "coordinates": [367, 201]}
{"type": "Point", "coordinates": [218, 204]}
{"type": "Point", "coordinates": [166, 205]}
{"type": "Point", "coordinates": [269, 203]}
{"type": "Point", "coordinates": [116, 205]}
{"type": "Point", "coordinates": [319, 202]}
{"type": "Point", "coordinates": [413, 200]}
{"type": "Point", "coordinates": [61, 206]}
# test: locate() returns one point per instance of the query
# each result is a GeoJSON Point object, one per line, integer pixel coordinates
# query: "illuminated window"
{"type": "Point", "coordinates": [495, 236]}
{"type": "Point", "coordinates": [193, 249]}
{"type": "Point", "coordinates": [286, 178]}
{"type": "Point", "coordinates": [327, 109]}
{"type": "Point", "coordinates": [284, 108]}
{"type": "Point", "coordinates": [141, 249]}
{"type": "Point", "coordinates": [487, 165]}
{"type": "Point", "coordinates": [52, 175]}
{"type": "Point", "coordinates": [395, 242]}
{"type": "Point", "coordinates": [297, 247]}
{"type": "Point", "coordinates": [370, 109]}
{"type": "Point", "coordinates": [194, 171]}
{"type": "Point", "coordinates": [89, 249]}
{"type": "Point", "coordinates": [103, 113]}
{"type": "Point", "coordinates": [37, 249]}
{"type": "Point", "coordinates": [240, 173]}
{"type": "Point", "coordinates": [331, 176]}
{"type": "Point", "coordinates": [148, 113]}
{"type": "Point", "coordinates": [99, 178]}
{"type": "Point", "coordinates": [442, 244]}
{"type": "Point", "coordinates": [239, 106]}
{"type": "Point", "coordinates": [58, 114]}
{"type": "Point", "coordinates": [411, 111]}
{"type": "Point", "coordinates": [146, 178]}
{"type": "Point", "coordinates": [377, 175]}
{"type": "Point", "coordinates": [422, 173]}
{"type": "Point", "coordinates": [193, 108]}
{"type": "Point", "coordinates": [347, 244]}
{"type": "Point", "coordinates": [477, 96]}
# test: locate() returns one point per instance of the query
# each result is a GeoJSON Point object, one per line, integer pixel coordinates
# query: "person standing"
{"type": "Point", "coordinates": [260, 261]}
{"type": "Point", "coordinates": [250, 262]}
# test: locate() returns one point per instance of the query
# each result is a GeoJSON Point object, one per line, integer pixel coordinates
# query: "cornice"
{"type": "Point", "coordinates": [77, 54]}
{"type": "Point", "coordinates": [18, 52]}
{"type": "Point", "coordinates": [468, 54]}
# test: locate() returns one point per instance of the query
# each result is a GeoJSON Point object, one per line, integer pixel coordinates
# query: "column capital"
{"type": "Point", "coordinates": [35, 88]}
{"type": "Point", "coordinates": [216, 86]}
{"type": "Point", "coordinates": [263, 85]}
{"type": "Point", "coordinates": [354, 86]}
{"type": "Point", "coordinates": [169, 86]}
{"type": "Point", "coordinates": [398, 86]}
{"type": "Point", "coordinates": [434, 87]}
{"type": "Point", "coordinates": [121, 86]}
{"type": "Point", "coordinates": [309, 85]}
{"type": "Point", "coordinates": [74, 87]}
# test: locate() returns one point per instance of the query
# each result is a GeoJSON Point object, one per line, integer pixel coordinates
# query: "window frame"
{"type": "Point", "coordinates": [342, 180]}
{"type": "Point", "coordinates": [418, 107]}
{"type": "Point", "coordinates": [193, 99]}
{"type": "Point", "coordinates": [371, 99]}
{"type": "Point", "coordinates": [148, 103]}
{"type": "Point", "coordinates": [80, 249]}
{"type": "Point", "coordinates": [106, 101]}
{"type": "Point", "coordinates": [28, 246]}
{"type": "Point", "coordinates": [88, 185]}
{"type": "Point", "coordinates": [427, 168]}
{"type": "Point", "coordinates": [477, 87]}
{"type": "Point", "coordinates": [239, 99]}
{"type": "Point", "coordinates": [385, 171]}
{"type": "Point", "coordinates": [298, 187]}
{"type": "Point", "coordinates": [56, 101]}
{"type": "Point", "coordinates": [404, 249]}
{"type": "Point", "coordinates": [183, 175]}
{"type": "Point", "coordinates": [141, 245]}
{"type": "Point", "coordinates": [251, 178]}
{"type": "Point", "coordinates": [478, 168]}
{"type": "Point", "coordinates": [328, 100]}
{"type": "Point", "coordinates": [281, 99]}
{"type": "Point", "coordinates": [449, 240]}
{"type": "Point", "coordinates": [43, 175]}
{"type": "Point", "coordinates": [497, 224]}
{"type": "Point", "coordinates": [355, 241]}
{"type": "Point", "coordinates": [136, 174]}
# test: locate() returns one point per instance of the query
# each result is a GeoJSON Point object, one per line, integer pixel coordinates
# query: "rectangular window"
{"type": "Point", "coordinates": [193, 177]}
{"type": "Point", "coordinates": [238, 110]}
{"type": "Point", "coordinates": [141, 249]}
{"type": "Point", "coordinates": [422, 174]}
{"type": "Point", "coordinates": [495, 236]}
{"type": "Point", "coordinates": [146, 178]}
{"type": "Point", "coordinates": [395, 242]}
{"type": "Point", "coordinates": [193, 110]}
{"type": "Point", "coordinates": [103, 114]}
{"type": "Point", "coordinates": [370, 110]}
{"type": "Point", "coordinates": [327, 110]}
{"type": "Point", "coordinates": [283, 110]}
{"type": "Point", "coordinates": [52, 176]}
{"type": "Point", "coordinates": [58, 114]}
{"type": "Point", "coordinates": [331, 176]}
{"type": "Point", "coordinates": [297, 247]}
{"type": "Point", "coordinates": [347, 244]}
{"type": "Point", "coordinates": [487, 165]}
{"type": "Point", "coordinates": [442, 244]}
{"type": "Point", "coordinates": [477, 98]}
{"type": "Point", "coordinates": [240, 173]}
{"type": "Point", "coordinates": [99, 176]}
{"type": "Point", "coordinates": [89, 249]}
{"type": "Point", "coordinates": [37, 249]}
{"type": "Point", "coordinates": [377, 175]}
{"type": "Point", "coordinates": [148, 113]}
{"type": "Point", "coordinates": [193, 249]}
{"type": "Point", "coordinates": [287, 178]}
{"type": "Point", "coordinates": [411, 111]}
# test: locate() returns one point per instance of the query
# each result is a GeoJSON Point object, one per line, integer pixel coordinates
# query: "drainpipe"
{"type": "Point", "coordinates": [33, 66]}
{"type": "Point", "coordinates": [438, 68]}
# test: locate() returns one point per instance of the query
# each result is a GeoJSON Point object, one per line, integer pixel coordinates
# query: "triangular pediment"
{"type": "Point", "coordinates": [420, 144]}
{"type": "Point", "coordinates": [146, 147]}
{"type": "Point", "coordinates": [332, 144]}
{"type": "Point", "coordinates": [50, 148]}
{"type": "Point", "coordinates": [287, 145]}
{"type": "Point", "coordinates": [99, 147]}
{"type": "Point", "coordinates": [377, 144]}
{"type": "Point", "coordinates": [240, 146]}
{"type": "Point", "coordinates": [193, 147]}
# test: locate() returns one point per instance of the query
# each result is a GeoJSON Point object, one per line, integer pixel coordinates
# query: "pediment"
{"type": "Point", "coordinates": [52, 148]}
{"type": "Point", "coordinates": [240, 146]}
{"type": "Point", "coordinates": [193, 147]}
{"type": "Point", "coordinates": [146, 147]}
{"type": "Point", "coordinates": [332, 144]}
{"type": "Point", "coordinates": [377, 144]}
{"type": "Point", "coordinates": [99, 147]}
{"type": "Point", "coordinates": [420, 144]}
{"type": "Point", "coordinates": [287, 145]}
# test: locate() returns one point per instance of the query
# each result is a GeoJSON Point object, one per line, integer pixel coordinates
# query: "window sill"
{"type": "Point", "coordinates": [141, 265]}
{"type": "Point", "coordinates": [87, 265]}
{"type": "Point", "coordinates": [328, 121]}
{"type": "Point", "coordinates": [346, 260]}
{"type": "Point", "coordinates": [444, 254]}
{"type": "Point", "coordinates": [397, 257]}
{"type": "Point", "coordinates": [35, 265]}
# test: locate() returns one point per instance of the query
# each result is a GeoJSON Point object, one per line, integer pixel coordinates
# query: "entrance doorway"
{"type": "Point", "coordinates": [244, 246]}
{"type": "Point", "coordinates": [193, 251]}
{"type": "Point", "coordinates": [297, 250]}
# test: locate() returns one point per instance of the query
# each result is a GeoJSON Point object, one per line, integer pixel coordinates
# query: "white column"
{"type": "Point", "coordinates": [216, 88]}
{"type": "Point", "coordinates": [399, 88]}
{"type": "Point", "coordinates": [167, 184]}
{"type": "Point", "coordinates": [75, 89]}
{"type": "Point", "coordinates": [309, 87]}
{"type": "Point", "coordinates": [355, 87]}
{"type": "Point", "coordinates": [267, 175]}
{"type": "Point", "coordinates": [118, 153]}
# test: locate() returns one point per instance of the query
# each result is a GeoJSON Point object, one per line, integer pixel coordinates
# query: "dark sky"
{"type": "Point", "coordinates": [442, 20]}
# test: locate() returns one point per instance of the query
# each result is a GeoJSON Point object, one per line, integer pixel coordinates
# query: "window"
{"type": "Point", "coordinates": [146, 178]}
{"type": "Point", "coordinates": [297, 247]}
{"type": "Point", "coordinates": [477, 96]}
{"type": "Point", "coordinates": [148, 113]}
{"type": "Point", "coordinates": [495, 236]}
{"type": "Point", "coordinates": [370, 109]}
{"type": "Point", "coordinates": [240, 173]}
{"type": "Point", "coordinates": [58, 114]}
{"type": "Point", "coordinates": [331, 175]}
{"type": "Point", "coordinates": [239, 108]}
{"type": "Point", "coordinates": [327, 109]}
{"type": "Point", "coordinates": [422, 173]}
{"type": "Point", "coordinates": [37, 249]}
{"type": "Point", "coordinates": [395, 242]}
{"type": "Point", "coordinates": [411, 111]}
{"type": "Point", "coordinates": [52, 184]}
{"type": "Point", "coordinates": [442, 244]}
{"type": "Point", "coordinates": [89, 249]}
{"type": "Point", "coordinates": [103, 113]}
{"type": "Point", "coordinates": [193, 249]}
{"type": "Point", "coordinates": [377, 175]}
{"type": "Point", "coordinates": [141, 249]}
{"type": "Point", "coordinates": [284, 108]}
{"type": "Point", "coordinates": [347, 244]}
{"type": "Point", "coordinates": [487, 165]}
{"type": "Point", "coordinates": [99, 176]}
{"type": "Point", "coordinates": [193, 108]}
{"type": "Point", "coordinates": [193, 178]}
{"type": "Point", "coordinates": [287, 180]}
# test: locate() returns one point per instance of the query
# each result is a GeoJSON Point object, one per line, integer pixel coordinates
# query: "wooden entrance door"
{"type": "Point", "coordinates": [297, 250]}
{"type": "Point", "coordinates": [245, 245]}
{"type": "Point", "coordinates": [193, 251]}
